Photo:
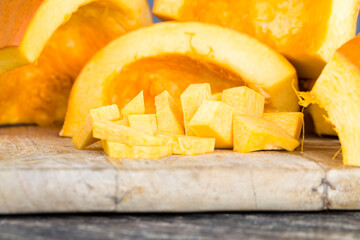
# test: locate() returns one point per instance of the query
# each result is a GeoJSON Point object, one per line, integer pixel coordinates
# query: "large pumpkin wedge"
{"type": "Point", "coordinates": [307, 32]}
{"type": "Point", "coordinates": [170, 56]}
{"type": "Point", "coordinates": [45, 43]}
{"type": "Point", "coordinates": [338, 92]}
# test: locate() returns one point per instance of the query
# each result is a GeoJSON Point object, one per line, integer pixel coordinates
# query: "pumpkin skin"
{"type": "Point", "coordinates": [338, 92]}
{"type": "Point", "coordinates": [170, 56]}
{"type": "Point", "coordinates": [42, 51]}
{"type": "Point", "coordinates": [307, 32]}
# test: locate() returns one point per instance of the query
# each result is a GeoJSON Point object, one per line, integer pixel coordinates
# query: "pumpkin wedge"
{"type": "Point", "coordinates": [307, 32]}
{"type": "Point", "coordinates": [338, 92]}
{"type": "Point", "coordinates": [45, 43]}
{"type": "Point", "coordinates": [170, 56]}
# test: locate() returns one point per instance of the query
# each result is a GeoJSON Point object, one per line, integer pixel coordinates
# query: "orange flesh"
{"type": "Point", "coordinates": [173, 73]}
{"type": "Point", "coordinates": [305, 26]}
{"type": "Point", "coordinates": [38, 93]}
{"type": "Point", "coordinates": [351, 51]}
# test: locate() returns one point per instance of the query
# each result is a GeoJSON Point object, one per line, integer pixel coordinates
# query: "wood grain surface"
{"type": "Point", "coordinates": [43, 173]}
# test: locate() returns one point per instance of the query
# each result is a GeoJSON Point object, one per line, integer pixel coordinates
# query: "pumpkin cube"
{"type": "Point", "coordinates": [168, 115]}
{"type": "Point", "coordinates": [246, 102]}
{"type": "Point", "coordinates": [291, 122]}
{"type": "Point", "coordinates": [114, 132]}
{"type": "Point", "coordinates": [135, 106]}
{"type": "Point", "coordinates": [191, 100]}
{"type": "Point", "coordinates": [254, 134]}
{"type": "Point", "coordinates": [84, 137]}
{"type": "Point", "coordinates": [188, 145]}
{"type": "Point", "coordinates": [119, 150]}
{"type": "Point", "coordinates": [143, 122]}
{"type": "Point", "coordinates": [214, 119]}
{"type": "Point", "coordinates": [216, 97]}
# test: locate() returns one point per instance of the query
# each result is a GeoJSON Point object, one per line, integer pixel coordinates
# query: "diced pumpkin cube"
{"type": "Point", "coordinates": [135, 106]}
{"type": "Point", "coordinates": [122, 134]}
{"type": "Point", "coordinates": [168, 114]}
{"type": "Point", "coordinates": [254, 134]}
{"type": "Point", "coordinates": [214, 119]}
{"type": "Point", "coordinates": [119, 150]}
{"type": "Point", "coordinates": [143, 122]}
{"type": "Point", "coordinates": [188, 145]}
{"type": "Point", "coordinates": [246, 102]}
{"type": "Point", "coordinates": [84, 137]}
{"type": "Point", "coordinates": [216, 97]}
{"type": "Point", "coordinates": [291, 122]}
{"type": "Point", "coordinates": [191, 100]}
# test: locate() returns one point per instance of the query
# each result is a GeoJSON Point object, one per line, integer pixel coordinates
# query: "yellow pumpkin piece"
{"type": "Point", "coordinates": [245, 101]}
{"type": "Point", "coordinates": [114, 132]}
{"type": "Point", "coordinates": [168, 114]}
{"type": "Point", "coordinates": [294, 28]}
{"type": "Point", "coordinates": [119, 150]}
{"type": "Point", "coordinates": [84, 137]}
{"type": "Point", "coordinates": [44, 45]}
{"type": "Point", "coordinates": [135, 106]}
{"type": "Point", "coordinates": [188, 145]}
{"type": "Point", "coordinates": [191, 100]}
{"type": "Point", "coordinates": [215, 120]}
{"type": "Point", "coordinates": [254, 134]}
{"type": "Point", "coordinates": [216, 97]}
{"type": "Point", "coordinates": [321, 123]}
{"type": "Point", "coordinates": [291, 122]}
{"type": "Point", "coordinates": [171, 56]}
{"type": "Point", "coordinates": [124, 122]}
{"type": "Point", "coordinates": [338, 92]}
{"type": "Point", "coordinates": [144, 122]}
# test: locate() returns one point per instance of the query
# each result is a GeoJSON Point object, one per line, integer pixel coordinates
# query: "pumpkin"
{"type": "Point", "coordinates": [338, 92]}
{"type": "Point", "coordinates": [307, 32]}
{"type": "Point", "coordinates": [45, 43]}
{"type": "Point", "coordinates": [170, 56]}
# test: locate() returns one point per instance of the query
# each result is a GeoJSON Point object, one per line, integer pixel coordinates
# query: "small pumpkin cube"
{"type": "Point", "coordinates": [291, 122]}
{"type": "Point", "coordinates": [216, 97]}
{"type": "Point", "coordinates": [215, 120]}
{"type": "Point", "coordinates": [119, 150]}
{"type": "Point", "coordinates": [135, 106]}
{"type": "Point", "coordinates": [188, 145]}
{"type": "Point", "coordinates": [143, 122]}
{"type": "Point", "coordinates": [254, 134]}
{"type": "Point", "coordinates": [168, 114]}
{"type": "Point", "coordinates": [246, 102]}
{"type": "Point", "coordinates": [84, 137]}
{"type": "Point", "coordinates": [191, 100]}
{"type": "Point", "coordinates": [114, 132]}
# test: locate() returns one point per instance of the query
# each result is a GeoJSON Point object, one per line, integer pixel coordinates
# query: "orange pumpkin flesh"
{"type": "Point", "coordinates": [38, 92]}
{"type": "Point", "coordinates": [307, 32]}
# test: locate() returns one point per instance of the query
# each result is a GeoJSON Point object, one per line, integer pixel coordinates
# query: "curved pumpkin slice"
{"type": "Point", "coordinates": [60, 36]}
{"type": "Point", "coordinates": [170, 56]}
{"type": "Point", "coordinates": [307, 32]}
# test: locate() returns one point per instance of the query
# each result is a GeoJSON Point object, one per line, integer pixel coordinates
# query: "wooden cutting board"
{"type": "Point", "coordinates": [41, 172]}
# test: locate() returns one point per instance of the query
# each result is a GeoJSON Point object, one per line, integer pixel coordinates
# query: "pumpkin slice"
{"type": "Point", "coordinates": [170, 56]}
{"type": "Point", "coordinates": [291, 122]}
{"type": "Point", "coordinates": [294, 28]}
{"type": "Point", "coordinates": [135, 106]}
{"type": "Point", "coordinates": [254, 134]}
{"type": "Point", "coordinates": [144, 122]}
{"type": "Point", "coordinates": [321, 123]}
{"type": "Point", "coordinates": [214, 120]}
{"type": "Point", "coordinates": [245, 101]}
{"type": "Point", "coordinates": [45, 43]}
{"type": "Point", "coordinates": [338, 92]}
{"type": "Point", "coordinates": [168, 114]}
{"type": "Point", "coordinates": [188, 145]}
{"type": "Point", "coordinates": [191, 100]}
{"type": "Point", "coordinates": [119, 150]}
{"type": "Point", "coordinates": [114, 132]}
{"type": "Point", "coordinates": [84, 137]}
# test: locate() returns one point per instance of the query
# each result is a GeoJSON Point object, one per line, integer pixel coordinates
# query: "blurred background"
{"type": "Point", "coordinates": [157, 20]}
